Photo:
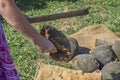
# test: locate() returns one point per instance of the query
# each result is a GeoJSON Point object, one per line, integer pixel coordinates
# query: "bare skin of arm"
{"type": "Point", "coordinates": [11, 13]}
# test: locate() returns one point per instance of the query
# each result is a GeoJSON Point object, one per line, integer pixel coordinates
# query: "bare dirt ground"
{"type": "Point", "coordinates": [87, 36]}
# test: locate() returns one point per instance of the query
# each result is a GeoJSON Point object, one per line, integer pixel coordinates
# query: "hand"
{"type": "Point", "coordinates": [45, 45]}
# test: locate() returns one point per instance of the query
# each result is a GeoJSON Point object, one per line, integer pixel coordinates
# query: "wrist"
{"type": "Point", "coordinates": [37, 39]}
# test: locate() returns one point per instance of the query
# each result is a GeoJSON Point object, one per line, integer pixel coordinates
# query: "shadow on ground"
{"type": "Point", "coordinates": [37, 4]}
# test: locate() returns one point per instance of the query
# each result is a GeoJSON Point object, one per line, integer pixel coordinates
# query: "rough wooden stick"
{"type": "Point", "coordinates": [58, 16]}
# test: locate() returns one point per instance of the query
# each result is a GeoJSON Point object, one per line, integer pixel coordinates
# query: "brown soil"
{"type": "Point", "coordinates": [87, 36]}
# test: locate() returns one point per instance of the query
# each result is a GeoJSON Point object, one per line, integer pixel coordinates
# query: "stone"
{"type": "Point", "coordinates": [116, 48]}
{"type": "Point", "coordinates": [85, 62]}
{"type": "Point", "coordinates": [74, 47]}
{"type": "Point", "coordinates": [103, 42]}
{"type": "Point", "coordinates": [103, 54]}
{"type": "Point", "coordinates": [111, 71]}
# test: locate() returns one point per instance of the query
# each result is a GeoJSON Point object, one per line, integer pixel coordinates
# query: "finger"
{"type": "Point", "coordinates": [45, 51]}
{"type": "Point", "coordinates": [55, 49]}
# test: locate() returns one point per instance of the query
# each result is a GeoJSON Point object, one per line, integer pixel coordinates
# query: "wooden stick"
{"type": "Point", "coordinates": [58, 16]}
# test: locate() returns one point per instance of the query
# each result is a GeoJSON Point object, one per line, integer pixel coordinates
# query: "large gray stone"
{"type": "Point", "coordinates": [116, 48]}
{"type": "Point", "coordinates": [103, 42]}
{"type": "Point", "coordinates": [104, 54]}
{"type": "Point", "coordinates": [85, 62]}
{"type": "Point", "coordinates": [111, 71]}
{"type": "Point", "coordinates": [74, 47]}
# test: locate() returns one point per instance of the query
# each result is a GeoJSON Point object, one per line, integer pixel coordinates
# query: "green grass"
{"type": "Point", "coordinates": [25, 55]}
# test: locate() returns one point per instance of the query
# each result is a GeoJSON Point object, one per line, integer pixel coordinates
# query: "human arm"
{"type": "Point", "coordinates": [11, 13]}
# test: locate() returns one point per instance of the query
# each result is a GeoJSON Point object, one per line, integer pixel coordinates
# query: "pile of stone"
{"type": "Point", "coordinates": [105, 57]}
{"type": "Point", "coordinates": [95, 54]}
